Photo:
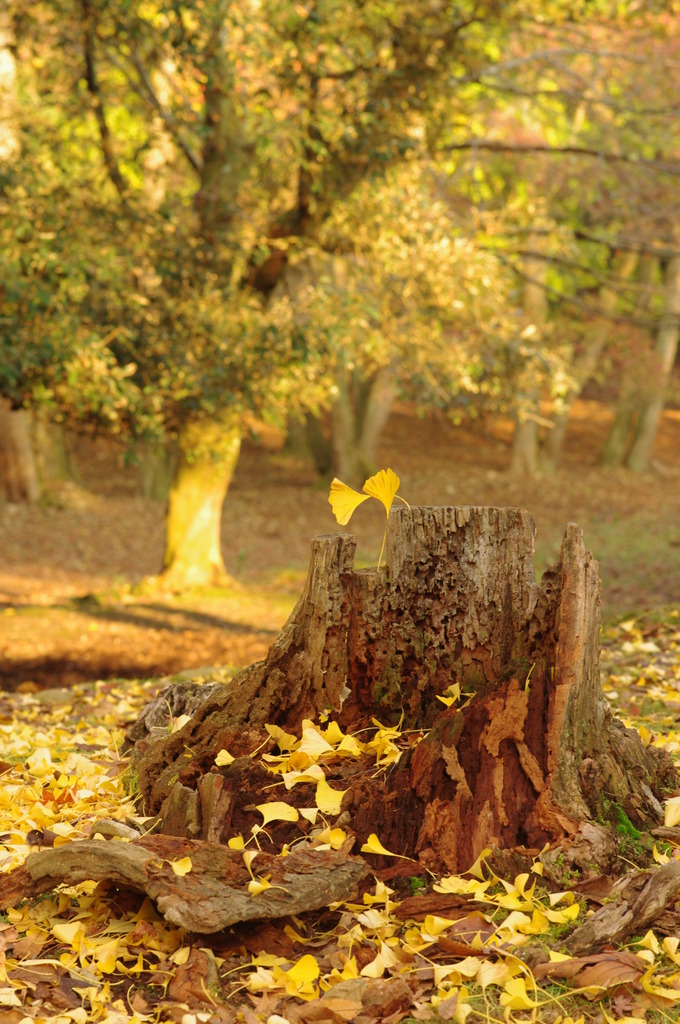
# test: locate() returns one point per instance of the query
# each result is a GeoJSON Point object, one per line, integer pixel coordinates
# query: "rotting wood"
{"type": "Point", "coordinates": [213, 895]}
{"type": "Point", "coordinates": [532, 753]}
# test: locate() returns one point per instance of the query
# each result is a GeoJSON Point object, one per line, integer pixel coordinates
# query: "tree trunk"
{"type": "Point", "coordinates": [619, 439]}
{"type": "Point", "coordinates": [18, 476]}
{"type": "Point", "coordinates": [208, 453]}
{"type": "Point", "coordinates": [53, 464]}
{"type": "Point", "coordinates": [665, 349]}
{"type": "Point", "coordinates": [157, 471]}
{"type": "Point", "coordinates": [526, 441]}
{"type": "Point", "coordinates": [529, 751]}
{"type": "Point", "coordinates": [358, 415]}
{"type": "Point", "coordinates": [585, 364]}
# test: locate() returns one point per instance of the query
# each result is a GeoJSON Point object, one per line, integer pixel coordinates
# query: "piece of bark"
{"type": "Point", "coordinates": [643, 897]}
{"type": "Point", "coordinates": [213, 895]}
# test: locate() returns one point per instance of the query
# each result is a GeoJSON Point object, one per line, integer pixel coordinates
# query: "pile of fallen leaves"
{"type": "Point", "coordinates": [475, 947]}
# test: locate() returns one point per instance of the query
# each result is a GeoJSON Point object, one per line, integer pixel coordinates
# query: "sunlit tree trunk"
{"type": "Point", "coordinates": [53, 464]}
{"type": "Point", "coordinates": [208, 453]}
{"type": "Point", "coordinates": [525, 443]}
{"type": "Point", "coordinates": [18, 475]}
{"type": "Point", "coordinates": [359, 413]}
{"type": "Point", "coordinates": [586, 362]}
{"type": "Point", "coordinates": [618, 441]}
{"type": "Point", "coordinates": [665, 349]}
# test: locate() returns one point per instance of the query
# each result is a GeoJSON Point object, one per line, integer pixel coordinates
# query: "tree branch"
{"type": "Point", "coordinates": [97, 103]}
{"type": "Point", "coordinates": [669, 167]}
{"type": "Point", "coordinates": [166, 117]}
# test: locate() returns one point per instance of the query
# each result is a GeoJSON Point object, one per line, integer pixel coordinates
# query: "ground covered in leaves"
{"type": "Point", "coordinates": [69, 611]}
{"type": "Point", "coordinates": [488, 945]}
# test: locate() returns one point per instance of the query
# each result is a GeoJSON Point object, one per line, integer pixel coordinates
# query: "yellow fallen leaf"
{"type": "Point", "coordinates": [258, 885]}
{"type": "Point", "coordinates": [277, 810]}
{"type": "Point", "coordinates": [105, 956]}
{"type": "Point", "coordinates": [285, 741]}
{"type": "Point", "coordinates": [181, 867]}
{"type": "Point", "coordinates": [313, 743]}
{"type": "Point", "coordinates": [180, 722]}
{"type": "Point", "coordinates": [223, 758]}
{"type": "Point", "coordinates": [515, 996]}
{"type": "Point", "coordinates": [672, 812]}
{"type": "Point", "coordinates": [70, 932]}
{"type": "Point", "coordinates": [373, 845]}
{"type": "Point", "coordinates": [181, 955]}
{"type": "Point", "coordinates": [433, 925]}
{"type": "Point", "coordinates": [236, 843]}
{"type": "Point", "coordinates": [329, 801]}
{"type": "Point", "coordinates": [331, 839]}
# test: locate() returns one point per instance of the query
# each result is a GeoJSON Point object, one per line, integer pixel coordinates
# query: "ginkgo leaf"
{"type": "Point", "coordinates": [223, 758]}
{"type": "Point", "coordinates": [277, 810]}
{"type": "Point", "coordinates": [516, 997]}
{"type": "Point", "coordinates": [258, 885]}
{"type": "Point", "coordinates": [344, 500]}
{"type": "Point", "coordinates": [383, 486]}
{"type": "Point", "coordinates": [285, 741]}
{"type": "Point", "coordinates": [70, 933]}
{"type": "Point", "coordinates": [329, 801]}
{"type": "Point", "coordinates": [373, 845]}
{"type": "Point", "coordinates": [181, 867]}
{"type": "Point", "coordinates": [313, 743]}
{"type": "Point", "coordinates": [305, 970]}
{"type": "Point", "coordinates": [672, 812]}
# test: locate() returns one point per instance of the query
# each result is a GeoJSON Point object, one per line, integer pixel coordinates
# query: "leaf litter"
{"type": "Point", "coordinates": [478, 946]}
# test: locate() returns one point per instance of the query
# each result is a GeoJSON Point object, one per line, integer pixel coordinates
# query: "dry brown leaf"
{"type": "Point", "coordinates": [605, 970]}
{"type": "Point", "coordinates": [329, 1010]}
{"type": "Point", "coordinates": [195, 981]}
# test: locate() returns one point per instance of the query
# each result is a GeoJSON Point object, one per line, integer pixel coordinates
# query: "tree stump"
{"type": "Point", "coordinates": [529, 752]}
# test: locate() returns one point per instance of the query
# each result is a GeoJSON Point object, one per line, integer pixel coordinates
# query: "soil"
{"type": "Point", "coordinates": [69, 611]}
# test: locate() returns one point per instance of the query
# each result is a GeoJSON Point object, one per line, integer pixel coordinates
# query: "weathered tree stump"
{"type": "Point", "coordinates": [530, 751]}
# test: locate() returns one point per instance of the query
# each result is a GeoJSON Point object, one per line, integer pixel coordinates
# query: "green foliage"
{"type": "Point", "coordinates": [231, 205]}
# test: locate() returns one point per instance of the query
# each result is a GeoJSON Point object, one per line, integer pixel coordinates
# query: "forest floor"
{"type": "Point", "coordinates": [69, 611]}
{"type": "Point", "coordinates": [471, 949]}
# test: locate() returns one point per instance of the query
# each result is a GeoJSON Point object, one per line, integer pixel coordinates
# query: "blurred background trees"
{"type": "Point", "coordinates": [300, 211]}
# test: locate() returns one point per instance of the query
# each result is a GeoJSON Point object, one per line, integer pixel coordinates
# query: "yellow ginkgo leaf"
{"type": "Point", "coordinates": [373, 845]}
{"type": "Point", "coordinates": [258, 885]}
{"type": "Point", "coordinates": [383, 486]}
{"type": "Point", "coordinates": [105, 956]}
{"type": "Point", "coordinates": [305, 970]}
{"type": "Point", "coordinates": [672, 812]}
{"type": "Point", "coordinates": [285, 740]}
{"type": "Point", "coordinates": [516, 997]}
{"type": "Point", "coordinates": [329, 801]}
{"type": "Point", "coordinates": [343, 499]}
{"type": "Point", "coordinates": [277, 810]}
{"type": "Point", "coordinates": [223, 758]}
{"type": "Point", "coordinates": [181, 867]}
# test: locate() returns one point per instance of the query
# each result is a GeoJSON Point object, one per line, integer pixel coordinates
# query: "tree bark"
{"type": "Point", "coordinates": [529, 753]}
{"type": "Point", "coordinates": [359, 414]}
{"type": "Point", "coordinates": [585, 364]}
{"type": "Point", "coordinates": [619, 439]}
{"type": "Point", "coordinates": [208, 453]}
{"type": "Point", "coordinates": [53, 463]}
{"type": "Point", "coordinates": [665, 349]}
{"type": "Point", "coordinates": [18, 475]}
{"type": "Point", "coordinates": [524, 460]}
